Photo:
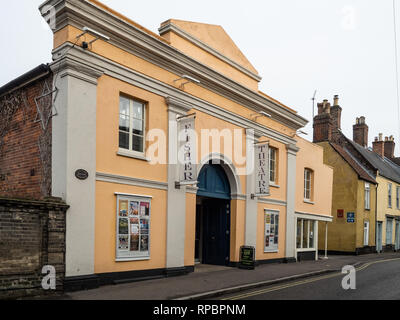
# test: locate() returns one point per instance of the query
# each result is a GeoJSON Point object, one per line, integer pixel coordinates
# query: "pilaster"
{"type": "Point", "coordinates": [290, 202]}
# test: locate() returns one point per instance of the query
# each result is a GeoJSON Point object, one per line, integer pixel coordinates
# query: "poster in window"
{"type": "Point", "coordinates": [271, 231]}
{"type": "Point", "coordinates": [134, 242]}
{"type": "Point", "coordinates": [144, 209]}
{"type": "Point", "coordinates": [144, 243]}
{"type": "Point", "coordinates": [134, 225]}
{"type": "Point", "coordinates": [134, 208]}
{"type": "Point", "coordinates": [123, 226]}
{"type": "Point", "coordinates": [123, 208]}
{"type": "Point", "coordinates": [123, 243]}
{"type": "Point", "coordinates": [144, 226]}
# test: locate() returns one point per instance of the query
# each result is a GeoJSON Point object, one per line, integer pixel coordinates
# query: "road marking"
{"type": "Point", "coordinates": [298, 283]}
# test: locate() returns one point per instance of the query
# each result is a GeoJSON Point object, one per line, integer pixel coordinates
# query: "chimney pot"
{"type": "Point", "coordinates": [336, 100]}
{"type": "Point", "coordinates": [380, 136]}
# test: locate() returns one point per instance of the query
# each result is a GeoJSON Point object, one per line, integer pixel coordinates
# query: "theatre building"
{"type": "Point", "coordinates": [168, 154]}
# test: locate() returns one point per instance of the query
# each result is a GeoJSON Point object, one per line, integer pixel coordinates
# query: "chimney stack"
{"type": "Point", "coordinates": [336, 114]}
{"type": "Point", "coordinates": [360, 132]}
{"type": "Point", "coordinates": [379, 146]}
{"type": "Point", "coordinates": [327, 124]}
{"type": "Point", "coordinates": [389, 147]}
{"type": "Point", "coordinates": [323, 122]}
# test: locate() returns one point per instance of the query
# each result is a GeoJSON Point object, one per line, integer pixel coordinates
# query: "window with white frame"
{"type": "Point", "coordinates": [305, 234]}
{"type": "Point", "coordinates": [307, 184]}
{"type": "Point", "coordinates": [389, 230]}
{"type": "Point", "coordinates": [366, 233]}
{"type": "Point", "coordinates": [367, 196]}
{"type": "Point", "coordinates": [132, 125]}
{"type": "Point", "coordinates": [389, 195]}
{"type": "Point", "coordinates": [272, 165]}
{"type": "Point", "coordinates": [133, 227]}
{"type": "Point", "coordinates": [271, 237]}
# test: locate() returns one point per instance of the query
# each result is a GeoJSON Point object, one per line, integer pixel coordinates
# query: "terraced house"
{"type": "Point", "coordinates": [169, 155]}
{"type": "Point", "coordinates": [381, 157]}
{"type": "Point", "coordinates": [366, 185]}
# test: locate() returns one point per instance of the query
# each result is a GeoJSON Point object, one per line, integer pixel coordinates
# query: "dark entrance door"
{"type": "Point", "coordinates": [213, 217]}
{"type": "Point", "coordinates": [216, 234]}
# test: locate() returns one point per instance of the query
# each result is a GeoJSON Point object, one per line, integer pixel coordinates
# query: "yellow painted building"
{"type": "Point", "coordinates": [388, 192]}
{"type": "Point", "coordinates": [349, 196]}
{"type": "Point", "coordinates": [131, 102]}
{"type": "Point", "coordinates": [354, 186]}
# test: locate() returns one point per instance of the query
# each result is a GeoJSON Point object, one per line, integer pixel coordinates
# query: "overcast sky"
{"type": "Point", "coordinates": [343, 47]}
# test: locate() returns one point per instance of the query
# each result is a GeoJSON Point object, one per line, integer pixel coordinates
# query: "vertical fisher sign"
{"type": "Point", "coordinates": [262, 171]}
{"type": "Point", "coordinates": [187, 142]}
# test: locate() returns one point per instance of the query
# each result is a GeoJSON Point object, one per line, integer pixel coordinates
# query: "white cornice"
{"type": "Point", "coordinates": [81, 57]}
{"type": "Point", "coordinates": [126, 36]}
{"type": "Point", "coordinates": [144, 183]}
{"type": "Point", "coordinates": [313, 216]}
{"type": "Point", "coordinates": [171, 27]}
{"type": "Point", "coordinates": [272, 201]}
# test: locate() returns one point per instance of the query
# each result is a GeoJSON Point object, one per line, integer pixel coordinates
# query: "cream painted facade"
{"type": "Point", "coordinates": [151, 69]}
{"type": "Point", "coordinates": [315, 211]}
{"type": "Point", "coordinates": [388, 215]}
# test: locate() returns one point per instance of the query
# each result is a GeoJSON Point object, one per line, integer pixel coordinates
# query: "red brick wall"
{"type": "Point", "coordinates": [24, 170]}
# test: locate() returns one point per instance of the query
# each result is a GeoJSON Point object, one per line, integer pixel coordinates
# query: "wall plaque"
{"type": "Point", "coordinates": [81, 174]}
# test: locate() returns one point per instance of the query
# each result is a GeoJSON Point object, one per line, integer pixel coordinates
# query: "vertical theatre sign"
{"type": "Point", "coordinates": [262, 171]}
{"type": "Point", "coordinates": [187, 141]}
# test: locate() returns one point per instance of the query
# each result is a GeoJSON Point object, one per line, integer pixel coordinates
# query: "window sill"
{"type": "Point", "coordinates": [305, 249]}
{"type": "Point", "coordinates": [133, 155]}
{"type": "Point", "coordinates": [273, 185]}
{"type": "Point", "coordinates": [271, 251]}
{"type": "Point", "coordinates": [127, 259]}
{"type": "Point", "coordinates": [308, 201]}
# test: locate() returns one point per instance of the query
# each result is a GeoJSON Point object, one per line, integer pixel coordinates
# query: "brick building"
{"type": "Point", "coordinates": [25, 135]}
{"type": "Point", "coordinates": [32, 224]}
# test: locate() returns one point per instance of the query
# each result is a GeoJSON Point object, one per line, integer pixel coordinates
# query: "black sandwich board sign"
{"type": "Point", "coordinates": [247, 258]}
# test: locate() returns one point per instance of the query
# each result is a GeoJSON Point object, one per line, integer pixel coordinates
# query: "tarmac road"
{"type": "Point", "coordinates": [379, 280]}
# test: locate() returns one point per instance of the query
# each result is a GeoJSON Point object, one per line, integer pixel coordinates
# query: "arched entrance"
{"type": "Point", "coordinates": [213, 215]}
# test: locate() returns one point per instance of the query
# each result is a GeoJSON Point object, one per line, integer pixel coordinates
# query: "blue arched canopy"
{"type": "Point", "coordinates": [213, 182]}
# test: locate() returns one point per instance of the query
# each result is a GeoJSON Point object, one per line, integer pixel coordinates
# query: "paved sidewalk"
{"type": "Point", "coordinates": [207, 279]}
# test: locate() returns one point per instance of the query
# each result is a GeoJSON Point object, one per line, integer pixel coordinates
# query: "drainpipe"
{"type": "Point", "coordinates": [376, 216]}
{"type": "Point", "coordinates": [326, 240]}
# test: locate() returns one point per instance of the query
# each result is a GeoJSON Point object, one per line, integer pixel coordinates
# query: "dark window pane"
{"type": "Point", "coordinates": [124, 140]}
{"type": "Point", "coordinates": [137, 143]}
